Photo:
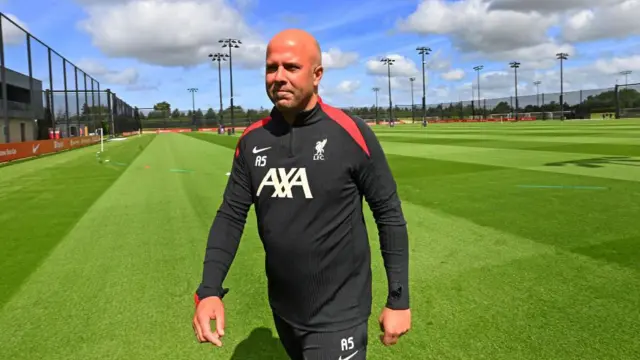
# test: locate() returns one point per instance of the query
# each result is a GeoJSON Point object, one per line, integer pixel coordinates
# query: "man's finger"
{"type": "Point", "coordinates": [388, 339]}
{"type": "Point", "coordinates": [197, 330]}
{"type": "Point", "coordinates": [205, 325]}
{"type": "Point", "coordinates": [220, 323]}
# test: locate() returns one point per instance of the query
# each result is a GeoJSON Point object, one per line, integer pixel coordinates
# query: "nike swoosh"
{"type": "Point", "coordinates": [348, 357]}
{"type": "Point", "coordinates": [256, 150]}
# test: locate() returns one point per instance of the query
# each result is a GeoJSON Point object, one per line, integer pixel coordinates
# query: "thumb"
{"type": "Point", "coordinates": [381, 322]}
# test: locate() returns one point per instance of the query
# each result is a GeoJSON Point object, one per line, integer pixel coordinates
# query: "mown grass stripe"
{"type": "Point", "coordinates": [506, 137]}
{"type": "Point", "coordinates": [45, 202]}
{"type": "Point", "coordinates": [544, 161]}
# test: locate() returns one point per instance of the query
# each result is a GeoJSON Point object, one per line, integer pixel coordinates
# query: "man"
{"type": "Point", "coordinates": [305, 169]}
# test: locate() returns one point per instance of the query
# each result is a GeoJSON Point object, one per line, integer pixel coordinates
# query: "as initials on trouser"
{"type": "Point", "coordinates": [346, 344]}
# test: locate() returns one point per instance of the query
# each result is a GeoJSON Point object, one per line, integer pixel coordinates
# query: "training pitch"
{"type": "Point", "coordinates": [524, 238]}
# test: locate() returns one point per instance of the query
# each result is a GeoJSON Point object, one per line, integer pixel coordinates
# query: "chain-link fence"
{"type": "Point", "coordinates": [44, 95]}
{"type": "Point", "coordinates": [155, 118]}
{"type": "Point", "coordinates": [621, 101]}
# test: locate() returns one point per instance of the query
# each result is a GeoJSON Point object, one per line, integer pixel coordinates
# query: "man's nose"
{"type": "Point", "coordinates": [279, 75]}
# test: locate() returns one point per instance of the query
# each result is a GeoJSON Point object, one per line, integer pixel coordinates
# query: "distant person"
{"type": "Point", "coordinates": [305, 168]}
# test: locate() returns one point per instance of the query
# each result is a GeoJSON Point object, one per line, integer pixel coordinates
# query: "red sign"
{"type": "Point", "coordinates": [22, 150]}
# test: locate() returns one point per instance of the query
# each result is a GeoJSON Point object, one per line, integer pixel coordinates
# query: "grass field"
{"type": "Point", "coordinates": [524, 245]}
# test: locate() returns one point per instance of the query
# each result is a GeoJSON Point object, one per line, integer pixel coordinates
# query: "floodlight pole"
{"type": "Point", "coordinates": [231, 43]}
{"type": "Point", "coordinates": [413, 113]}
{"type": "Point", "coordinates": [219, 57]}
{"type": "Point", "coordinates": [423, 50]}
{"type": "Point", "coordinates": [515, 65]}
{"type": "Point", "coordinates": [477, 69]}
{"type": "Point", "coordinates": [376, 89]}
{"type": "Point", "coordinates": [562, 57]}
{"type": "Point", "coordinates": [193, 99]}
{"type": "Point", "coordinates": [389, 62]}
{"type": "Point", "coordinates": [537, 84]}
{"type": "Point", "coordinates": [626, 74]}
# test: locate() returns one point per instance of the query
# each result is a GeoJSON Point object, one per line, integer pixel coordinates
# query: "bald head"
{"type": "Point", "coordinates": [293, 71]}
{"type": "Point", "coordinates": [298, 41]}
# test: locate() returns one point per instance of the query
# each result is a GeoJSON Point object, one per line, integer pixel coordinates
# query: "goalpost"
{"type": "Point", "coordinates": [101, 139]}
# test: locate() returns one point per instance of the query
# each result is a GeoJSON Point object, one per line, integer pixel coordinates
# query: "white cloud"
{"type": "Point", "coordinates": [171, 32]}
{"type": "Point", "coordinates": [618, 64]}
{"type": "Point", "coordinates": [547, 6]}
{"type": "Point", "coordinates": [345, 90]}
{"type": "Point", "coordinates": [12, 35]}
{"type": "Point", "coordinates": [505, 25]}
{"type": "Point", "coordinates": [348, 86]}
{"type": "Point", "coordinates": [453, 75]}
{"type": "Point", "coordinates": [336, 59]}
{"type": "Point", "coordinates": [540, 56]}
{"type": "Point", "coordinates": [127, 76]}
{"type": "Point", "coordinates": [492, 33]}
{"type": "Point", "coordinates": [435, 62]}
{"type": "Point", "coordinates": [475, 28]}
{"type": "Point", "coordinates": [602, 22]}
{"type": "Point", "coordinates": [397, 85]}
{"type": "Point", "coordinates": [401, 67]}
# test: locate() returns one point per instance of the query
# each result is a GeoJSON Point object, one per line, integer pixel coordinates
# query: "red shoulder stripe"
{"type": "Point", "coordinates": [347, 124]}
{"type": "Point", "coordinates": [255, 125]}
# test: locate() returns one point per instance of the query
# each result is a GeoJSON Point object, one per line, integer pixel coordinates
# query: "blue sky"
{"type": "Point", "coordinates": [149, 51]}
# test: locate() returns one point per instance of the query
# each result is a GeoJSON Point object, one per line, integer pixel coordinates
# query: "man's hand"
{"type": "Point", "coordinates": [210, 308]}
{"type": "Point", "coordinates": [394, 324]}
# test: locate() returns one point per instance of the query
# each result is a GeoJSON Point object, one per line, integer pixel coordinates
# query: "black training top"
{"type": "Point", "coordinates": [307, 181]}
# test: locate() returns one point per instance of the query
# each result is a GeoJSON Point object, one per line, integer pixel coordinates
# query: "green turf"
{"type": "Point", "coordinates": [43, 199]}
{"type": "Point", "coordinates": [524, 245]}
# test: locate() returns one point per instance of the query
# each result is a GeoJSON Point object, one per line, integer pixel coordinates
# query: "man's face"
{"type": "Point", "coordinates": [291, 76]}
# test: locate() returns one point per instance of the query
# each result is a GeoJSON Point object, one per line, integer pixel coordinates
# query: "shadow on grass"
{"type": "Point", "coordinates": [598, 162]}
{"type": "Point", "coordinates": [624, 252]}
{"type": "Point", "coordinates": [260, 345]}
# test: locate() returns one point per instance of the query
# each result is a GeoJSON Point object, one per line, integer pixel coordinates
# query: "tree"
{"type": "Point", "coordinates": [502, 108]}
{"type": "Point", "coordinates": [176, 113]}
{"type": "Point", "coordinates": [210, 115]}
{"type": "Point", "coordinates": [162, 106]}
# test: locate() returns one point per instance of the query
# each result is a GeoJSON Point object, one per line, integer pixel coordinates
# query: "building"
{"type": "Point", "coordinates": [25, 108]}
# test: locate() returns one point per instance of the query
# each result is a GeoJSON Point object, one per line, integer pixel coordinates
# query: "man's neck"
{"type": "Point", "coordinates": [290, 117]}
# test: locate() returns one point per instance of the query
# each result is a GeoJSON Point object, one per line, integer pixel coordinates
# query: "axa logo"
{"type": "Point", "coordinates": [283, 182]}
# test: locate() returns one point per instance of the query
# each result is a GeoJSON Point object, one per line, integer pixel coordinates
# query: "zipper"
{"type": "Point", "coordinates": [291, 141]}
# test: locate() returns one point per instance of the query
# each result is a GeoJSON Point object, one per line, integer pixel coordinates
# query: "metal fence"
{"type": "Point", "coordinates": [151, 118]}
{"type": "Point", "coordinates": [620, 101]}
{"type": "Point", "coordinates": [43, 94]}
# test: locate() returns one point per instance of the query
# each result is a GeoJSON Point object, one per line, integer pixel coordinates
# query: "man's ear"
{"type": "Point", "coordinates": [317, 75]}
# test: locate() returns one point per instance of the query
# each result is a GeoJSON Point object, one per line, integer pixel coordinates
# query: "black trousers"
{"type": "Point", "coordinates": [349, 344]}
